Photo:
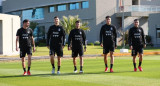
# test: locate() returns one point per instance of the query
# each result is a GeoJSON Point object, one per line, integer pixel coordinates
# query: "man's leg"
{"type": "Point", "coordinates": [52, 60]}
{"type": "Point", "coordinates": [140, 59]}
{"type": "Point", "coordinates": [105, 62]}
{"type": "Point", "coordinates": [29, 62]}
{"type": "Point", "coordinates": [52, 63]}
{"type": "Point", "coordinates": [59, 62]}
{"type": "Point", "coordinates": [134, 63]}
{"type": "Point", "coordinates": [81, 64]}
{"type": "Point", "coordinates": [23, 64]}
{"type": "Point", "coordinates": [75, 64]}
{"type": "Point", "coordinates": [111, 61]}
{"type": "Point", "coordinates": [140, 62]}
{"type": "Point", "coordinates": [134, 54]}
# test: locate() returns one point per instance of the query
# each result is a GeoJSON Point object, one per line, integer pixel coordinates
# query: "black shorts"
{"type": "Point", "coordinates": [107, 49]}
{"type": "Point", "coordinates": [136, 50]}
{"type": "Point", "coordinates": [56, 50]}
{"type": "Point", "coordinates": [76, 52]}
{"type": "Point", "coordinates": [24, 51]}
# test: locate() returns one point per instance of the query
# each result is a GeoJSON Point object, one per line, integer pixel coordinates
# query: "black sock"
{"type": "Point", "coordinates": [29, 68]}
{"type": "Point", "coordinates": [111, 66]}
{"type": "Point", "coordinates": [24, 69]}
{"type": "Point", "coordinates": [59, 68]}
{"type": "Point", "coordinates": [53, 66]}
{"type": "Point", "coordinates": [75, 68]}
{"type": "Point", "coordinates": [134, 65]}
{"type": "Point", "coordinates": [140, 64]}
{"type": "Point", "coordinates": [106, 65]}
{"type": "Point", "coordinates": [81, 68]}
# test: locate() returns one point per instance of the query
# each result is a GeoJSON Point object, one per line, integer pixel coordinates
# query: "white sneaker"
{"type": "Point", "coordinates": [81, 71]}
{"type": "Point", "coordinates": [53, 71]}
{"type": "Point", "coordinates": [58, 72]}
{"type": "Point", "coordinates": [75, 71]}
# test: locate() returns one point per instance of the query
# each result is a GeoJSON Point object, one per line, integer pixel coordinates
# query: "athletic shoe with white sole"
{"type": "Point", "coordinates": [75, 71]}
{"type": "Point", "coordinates": [81, 71]}
{"type": "Point", "coordinates": [53, 71]}
{"type": "Point", "coordinates": [58, 72]}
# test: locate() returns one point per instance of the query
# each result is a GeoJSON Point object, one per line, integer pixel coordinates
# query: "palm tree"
{"type": "Point", "coordinates": [68, 23]}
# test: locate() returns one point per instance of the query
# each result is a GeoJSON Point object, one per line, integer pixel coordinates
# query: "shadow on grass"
{"type": "Point", "coordinates": [63, 74]}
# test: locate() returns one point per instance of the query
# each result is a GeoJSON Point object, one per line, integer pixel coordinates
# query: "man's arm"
{"type": "Point", "coordinates": [69, 40]}
{"type": "Point", "coordinates": [84, 39]}
{"type": "Point", "coordinates": [17, 40]}
{"type": "Point", "coordinates": [63, 35]}
{"type": "Point", "coordinates": [33, 43]}
{"type": "Point", "coordinates": [101, 36]}
{"type": "Point", "coordinates": [130, 39]}
{"type": "Point", "coordinates": [143, 38]}
{"type": "Point", "coordinates": [48, 37]}
{"type": "Point", "coordinates": [115, 36]}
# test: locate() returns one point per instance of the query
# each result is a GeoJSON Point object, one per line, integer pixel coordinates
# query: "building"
{"type": "Point", "coordinates": [0, 9]}
{"type": "Point", "coordinates": [93, 11]}
{"type": "Point", "coordinates": [154, 28]}
{"type": "Point", "coordinates": [9, 25]}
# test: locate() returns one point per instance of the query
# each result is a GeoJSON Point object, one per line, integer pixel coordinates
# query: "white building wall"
{"type": "Point", "coordinates": [9, 26]}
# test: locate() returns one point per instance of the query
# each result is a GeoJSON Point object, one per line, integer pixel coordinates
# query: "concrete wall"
{"type": "Point", "coordinates": [1, 48]}
{"type": "Point", "coordinates": [87, 14]}
{"type": "Point", "coordinates": [10, 24]}
{"type": "Point", "coordinates": [143, 23]}
{"type": "Point", "coordinates": [153, 24]}
{"type": "Point", "coordinates": [151, 2]}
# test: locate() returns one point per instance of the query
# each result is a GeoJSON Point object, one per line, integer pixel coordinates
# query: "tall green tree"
{"type": "Point", "coordinates": [68, 23]}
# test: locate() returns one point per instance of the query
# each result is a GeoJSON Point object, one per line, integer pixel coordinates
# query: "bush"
{"type": "Point", "coordinates": [148, 39]}
{"type": "Point", "coordinates": [96, 43]}
{"type": "Point", "coordinates": [92, 44]}
{"type": "Point", "coordinates": [41, 43]}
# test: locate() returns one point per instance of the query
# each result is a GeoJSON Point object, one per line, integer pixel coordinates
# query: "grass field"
{"type": "Point", "coordinates": [10, 73]}
{"type": "Point", "coordinates": [91, 50]}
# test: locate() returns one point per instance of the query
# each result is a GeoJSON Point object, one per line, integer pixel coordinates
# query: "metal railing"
{"type": "Point", "coordinates": [139, 8]}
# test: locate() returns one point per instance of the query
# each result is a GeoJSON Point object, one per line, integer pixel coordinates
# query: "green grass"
{"type": "Point", "coordinates": [10, 73]}
{"type": "Point", "coordinates": [91, 50]}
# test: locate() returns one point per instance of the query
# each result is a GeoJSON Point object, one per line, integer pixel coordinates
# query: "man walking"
{"type": "Point", "coordinates": [56, 43]}
{"type": "Point", "coordinates": [25, 37]}
{"type": "Point", "coordinates": [76, 40]}
{"type": "Point", "coordinates": [108, 37]}
{"type": "Point", "coordinates": [137, 42]}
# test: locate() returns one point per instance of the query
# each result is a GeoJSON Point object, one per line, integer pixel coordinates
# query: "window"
{"type": "Point", "coordinates": [61, 8]}
{"type": "Point", "coordinates": [39, 33]}
{"type": "Point", "coordinates": [85, 4]}
{"type": "Point", "coordinates": [33, 14]}
{"type": "Point", "coordinates": [16, 13]}
{"type": "Point", "coordinates": [158, 32]}
{"type": "Point", "coordinates": [51, 9]}
{"type": "Point", "coordinates": [74, 6]}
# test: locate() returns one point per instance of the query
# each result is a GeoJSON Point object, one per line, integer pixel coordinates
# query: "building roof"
{"type": "Point", "coordinates": [32, 4]}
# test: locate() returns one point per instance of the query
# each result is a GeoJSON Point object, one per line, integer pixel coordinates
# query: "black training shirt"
{"type": "Point", "coordinates": [25, 37]}
{"type": "Point", "coordinates": [77, 38]}
{"type": "Point", "coordinates": [108, 35]}
{"type": "Point", "coordinates": [136, 36]}
{"type": "Point", "coordinates": [55, 35]}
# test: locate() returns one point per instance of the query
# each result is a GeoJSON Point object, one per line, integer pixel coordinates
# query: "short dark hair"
{"type": "Point", "coordinates": [78, 21]}
{"type": "Point", "coordinates": [55, 17]}
{"type": "Point", "coordinates": [108, 17]}
{"type": "Point", "coordinates": [136, 20]}
{"type": "Point", "coordinates": [25, 21]}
